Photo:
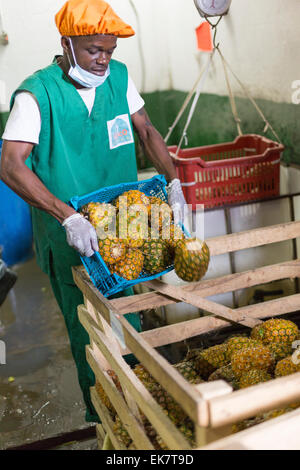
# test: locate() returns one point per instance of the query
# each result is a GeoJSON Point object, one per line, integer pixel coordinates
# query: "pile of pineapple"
{"type": "Point", "coordinates": [137, 233]}
{"type": "Point", "coordinates": [241, 361]}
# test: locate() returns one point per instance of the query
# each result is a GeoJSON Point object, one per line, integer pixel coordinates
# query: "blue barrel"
{"type": "Point", "coordinates": [16, 237]}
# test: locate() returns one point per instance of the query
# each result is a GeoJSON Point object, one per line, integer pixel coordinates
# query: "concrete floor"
{"type": "Point", "coordinates": [39, 394]}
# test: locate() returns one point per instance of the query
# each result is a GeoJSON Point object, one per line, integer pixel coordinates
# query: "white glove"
{"type": "Point", "coordinates": [81, 235]}
{"type": "Point", "coordinates": [176, 200]}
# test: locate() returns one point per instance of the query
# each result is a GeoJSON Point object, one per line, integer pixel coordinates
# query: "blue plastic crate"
{"type": "Point", "coordinates": [108, 283]}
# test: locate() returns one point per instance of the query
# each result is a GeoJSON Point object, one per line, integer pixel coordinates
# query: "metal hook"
{"type": "Point", "coordinates": [214, 27]}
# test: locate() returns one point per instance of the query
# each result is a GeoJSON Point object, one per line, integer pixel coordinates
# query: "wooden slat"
{"type": "Point", "coordinates": [280, 433]}
{"type": "Point", "coordinates": [162, 371]}
{"type": "Point", "coordinates": [134, 428]}
{"type": "Point", "coordinates": [91, 293]}
{"type": "Point", "coordinates": [251, 401]}
{"type": "Point", "coordinates": [253, 238]}
{"type": "Point", "coordinates": [208, 391]}
{"type": "Point", "coordinates": [100, 433]}
{"type": "Point", "coordinates": [166, 375]}
{"type": "Point", "coordinates": [171, 436]}
{"type": "Point", "coordinates": [193, 299]}
{"type": "Point", "coordinates": [210, 287]}
{"type": "Point", "coordinates": [105, 417]}
{"type": "Point", "coordinates": [191, 328]}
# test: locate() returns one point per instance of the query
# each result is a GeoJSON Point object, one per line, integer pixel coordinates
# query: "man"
{"type": "Point", "coordinates": [63, 117]}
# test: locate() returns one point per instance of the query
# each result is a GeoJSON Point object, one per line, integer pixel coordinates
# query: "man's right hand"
{"type": "Point", "coordinates": [81, 235]}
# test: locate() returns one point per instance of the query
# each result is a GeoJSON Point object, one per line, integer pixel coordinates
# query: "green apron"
{"type": "Point", "coordinates": [77, 154]}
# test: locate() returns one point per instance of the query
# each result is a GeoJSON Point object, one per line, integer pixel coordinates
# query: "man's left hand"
{"type": "Point", "coordinates": [176, 200]}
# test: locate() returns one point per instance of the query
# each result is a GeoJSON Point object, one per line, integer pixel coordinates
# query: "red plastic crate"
{"type": "Point", "coordinates": [247, 169]}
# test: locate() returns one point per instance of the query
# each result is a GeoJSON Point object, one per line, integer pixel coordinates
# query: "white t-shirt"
{"type": "Point", "coordinates": [24, 122]}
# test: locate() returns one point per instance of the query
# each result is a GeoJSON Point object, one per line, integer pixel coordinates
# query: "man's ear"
{"type": "Point", "coordinates": [65, 44]}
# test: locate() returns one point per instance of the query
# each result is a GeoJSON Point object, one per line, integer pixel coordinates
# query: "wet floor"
{"type": "Point", "coordinates": [39, 394]}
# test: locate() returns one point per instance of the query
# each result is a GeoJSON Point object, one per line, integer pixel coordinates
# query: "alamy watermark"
{"type": "Point", "coordinates": [2, 353]}
{"type": "Point", "coordinates": [296, 354]}
{"type": "Point", "coordinates": [296, 93]}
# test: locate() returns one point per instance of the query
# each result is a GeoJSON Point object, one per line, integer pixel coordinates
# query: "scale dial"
{"type": "Point", "coordinates": [212, 7]}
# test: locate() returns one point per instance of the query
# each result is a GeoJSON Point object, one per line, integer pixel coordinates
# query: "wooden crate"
{"type": "Point", "coordinates": [212, 406]}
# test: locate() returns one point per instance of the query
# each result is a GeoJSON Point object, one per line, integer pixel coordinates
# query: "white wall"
{"type": "Point", "coordinates": [260, 40]}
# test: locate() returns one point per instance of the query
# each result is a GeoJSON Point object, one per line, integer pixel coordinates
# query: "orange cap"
{"type": "Point", "coordinates": [87, 17]}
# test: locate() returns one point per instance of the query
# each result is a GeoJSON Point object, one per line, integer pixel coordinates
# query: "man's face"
{"type": "Point", "coordinates": [93, 53]}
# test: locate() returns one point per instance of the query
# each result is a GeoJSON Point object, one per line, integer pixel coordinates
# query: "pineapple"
{"type": "Point", "coordinates": [132, 226]}
{"type": "Point", "coordinates": [143, 374]}
{"type": "Point", "coordinates": [172, 234]}
{"type": "Point", "coordinates": [160, 215]}
{"type": "Point", "coordinates": [191, 259]}
{"type": "Point", "coordinates": [280, 350]}
{"type": "Point", "coordinates": [253, 377]}
{"type": "Point", "coordinates": [256, 333]}
{"type": "Point", "coordinates": [188, 431]}
{"type": "Point", "coordinates": [157, 256]}
{"type": "Point", "coordinates": [161, 444]}
{"type": "Point", "coordinates": [208, 360]}
{"type": "Point", "coordinates": [131, 267]}
{"type": "Point", "coordinates": [237, 343]}
{"type": "Point", "coordinates": [248, 423]}
{"type": "Point", "coordinates": [174, 411]}
{"type": "Point", "coordinates": [121, 433]}
{"type": "Point", "coordinates": [153, 200]}
{"type": "Point", "coordinates": [286, 366]}
{"type": "Point", "coordinates": [254, 357]}
{"type": "Point", "coordinates": [225, 373]}
{"type": "Point", "coordinates": [102, 216]}
{"type": "Point", "coordinates": [103, 396]}
{"type": "Point", "coordinates": [132, 197]}
{"type": "Point", "coordinates": [186, 368]}
{"type": "Point", "coordinates": [276, 330]}
{"type": "Point", "coordinates": [112, 250]}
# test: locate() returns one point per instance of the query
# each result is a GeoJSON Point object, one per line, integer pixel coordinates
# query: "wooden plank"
{"type": "Point", "coordinates": [91, 293]}
{"type": "Point", "coordinates": [171, 436]}
{"type": "Point", "coordinates": [253, 238]}
{"type": "Point", "coordinates": [101, 323]}
{"type": "Point", "coordinates": [193, 299]}
{"type": "Point", "coordinates": [105, 417]}
{"type": "Point", "coordinates": [132, 425]}
{"type": "Point", "coordinates": [188, 329]}
{"type": "Point", "coordinates": [216, 389]}
{"type": "Point", "coordinates": [87, 321]}
{"type": "Point", "coordinates": [210, 287]}
{"type": "Point", "coordinates": [251, 401]}
{"type": "Point", "coordinates": [210, 390]}
{"type": "Point", "coordinates": [100, 432]}
{"type": "Point", "coordinates": [191, 328]}
{"type": "Point", "coordinates": [166, 375]}
{"type": "Point", "coordinates": [280, 433]}
{"type": "Point", "coordinates": [169, 378]}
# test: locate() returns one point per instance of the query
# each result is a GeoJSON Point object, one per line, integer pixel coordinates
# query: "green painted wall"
{"type": "Point", "coordinates": [213, 122]}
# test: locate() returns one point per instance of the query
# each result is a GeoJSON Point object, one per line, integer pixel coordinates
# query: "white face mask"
{"type": "Point", "coordinates": [83, 77]}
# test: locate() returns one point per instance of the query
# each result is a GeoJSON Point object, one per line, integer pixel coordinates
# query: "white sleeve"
{"type": "Point", "coordinates": [24, 121]}
{"type": "Point", "coordinates": [135, 101]}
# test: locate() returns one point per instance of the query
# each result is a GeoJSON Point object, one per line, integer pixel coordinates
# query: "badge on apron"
{"type": "Point", "coordinates": [119, 131]}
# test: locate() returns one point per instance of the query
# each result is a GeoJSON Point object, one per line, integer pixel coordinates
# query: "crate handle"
{"type": "Point", "coordinates": [188, 184]}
